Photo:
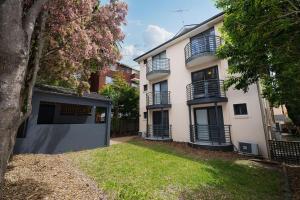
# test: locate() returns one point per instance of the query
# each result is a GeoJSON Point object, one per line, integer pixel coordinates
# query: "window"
{"type": "Point", "coordinates": [113, 68]}
{"type": "Point", "coordinates": [46, 113]}
{"type": "Point", "coordinates": [145, 62]}
{"type": "Point", "coordinates": [134, 85]}
{"type": "Point", "coordinates": [108, 80]}
{"type": "Point", "coordinates": [240, 109]}
{"type": "Point", "coordinates": [100, 115]}
{"type": "Point", "coordinates": [72, 109]}
{"type": "Point", "coordinates": [145, 88]}
{"type": "Point", "coordinates": [145, 115]}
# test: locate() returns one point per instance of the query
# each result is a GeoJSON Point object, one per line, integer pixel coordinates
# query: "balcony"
{"type": "Point", "coordinates": [201, 50]}
{"type": "Point", "coordinates": [213, 137]}
{"type": "Point", "coordinates": [159, 132]}
{"type": "Point", "coordinates": [158, 68]}
{"type": "Point", "coordinates": [156, 100]}
{"type": "Point", "coordinates": [207, 91]}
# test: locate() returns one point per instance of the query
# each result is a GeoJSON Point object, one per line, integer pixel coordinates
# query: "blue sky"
{"type": "Point", "coordinates": [152, 22]}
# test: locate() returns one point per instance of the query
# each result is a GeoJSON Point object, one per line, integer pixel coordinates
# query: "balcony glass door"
{"type": "Point", "coordinates": [209, 126]}
{"type": "Point", "coordinates": [206, 83]}
{"type": "Point", "coordinates": [160, 93]}
{"type": "Point", "coordinates": [157, 61]}
{"type": "Point", "coordinates": [202, 42]}
{"type": "Point", "coordinates": [160, 123]}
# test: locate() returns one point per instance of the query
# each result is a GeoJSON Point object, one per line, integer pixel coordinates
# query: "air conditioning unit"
{"type": "Point", "coordinates": [248, 148]}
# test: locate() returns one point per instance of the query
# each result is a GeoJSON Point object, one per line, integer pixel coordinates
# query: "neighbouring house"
{"type": "Point", "coordinates": [106, 75]}
{"type": "Point", "coordinates": [281, 118]}
{"type": "Point", "coordinates": [62, 121]}
{"type": "Point", "coordinates": [183, 98]}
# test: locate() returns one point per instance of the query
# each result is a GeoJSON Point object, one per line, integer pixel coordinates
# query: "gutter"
{"type": "Point", "coordinates": [263, 116]}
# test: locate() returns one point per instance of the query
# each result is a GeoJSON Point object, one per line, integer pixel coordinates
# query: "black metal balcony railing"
{"type": "Point", "coordinates": [220, 134]}
{"type": "Point", "coordinates": [201, 46]}
{"type": "Point", "coordinates": [205, 89]}
{"type": "Point", "coordinates": [158, 65]}
{"type": "Point", "coordinates": [158, 98]}
{"type": "Point", "coordinates": [159, 131]}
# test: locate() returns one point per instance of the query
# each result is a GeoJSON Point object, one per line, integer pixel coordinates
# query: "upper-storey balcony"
{"type": "Point", "coordinates": [156, 100]}
{"type": "Point", "coordinates": [201, 50]}
{"type": "Point", "coordinates": [206, 91]}
{"type": "Point", "coordinates": [158, 68]}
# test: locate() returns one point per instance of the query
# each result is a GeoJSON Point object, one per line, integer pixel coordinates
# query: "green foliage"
{"type": "Point", "coordinates": [262, 40]}
{"type": "Point", "coordinates": [125, 98]}
{"type": "Point", "coordinates": [141, 170]}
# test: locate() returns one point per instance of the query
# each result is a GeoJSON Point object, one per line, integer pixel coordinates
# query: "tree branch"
{"type": "Point", "coordinates": [293, 5]}
{"type": "Point", "coordinates": [30, 19]}
{"type": "Point", "coordinates": [36, 64]}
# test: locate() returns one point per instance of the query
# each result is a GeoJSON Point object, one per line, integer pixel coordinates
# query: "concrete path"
{"type": "Point", "coordinates": [120, 140]}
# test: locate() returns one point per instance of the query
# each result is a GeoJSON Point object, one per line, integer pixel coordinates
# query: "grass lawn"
{"type": "Point", "coordinates": [143, 170]}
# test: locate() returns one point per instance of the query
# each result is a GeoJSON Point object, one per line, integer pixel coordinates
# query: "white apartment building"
{"type": "Point", "coordinates": [182, 95]}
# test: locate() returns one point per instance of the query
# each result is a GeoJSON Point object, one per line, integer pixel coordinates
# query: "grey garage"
{"type": "Point", "coordinates": [62, 121]}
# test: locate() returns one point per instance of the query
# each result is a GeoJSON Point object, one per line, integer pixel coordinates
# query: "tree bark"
{"type": "Point", "coordinates": [15, 39]}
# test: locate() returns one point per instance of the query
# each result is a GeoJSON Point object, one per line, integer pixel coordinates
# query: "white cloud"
{"type": "Point", "coordinates": [130, 52]}
{"type": "Point", "coordinates": [135, 22]}
{"type": "Point", "coordinates": [155, 35]}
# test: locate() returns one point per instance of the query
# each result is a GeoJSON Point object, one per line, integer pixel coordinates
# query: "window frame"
{"type": "Point", "coordinates": [240, 111]}
{"type": "Point", "coordinates": [109, 82]}
{"type": "Point", "coordinates": [105, 117]}
{"type": "Point", "coordinates": [145, 87]}
{"type": "Point", "coordinates": [145, 115]}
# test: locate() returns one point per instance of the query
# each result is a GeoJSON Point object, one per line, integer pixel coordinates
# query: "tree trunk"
{"type": "Point", "coordinates": [15, 38]}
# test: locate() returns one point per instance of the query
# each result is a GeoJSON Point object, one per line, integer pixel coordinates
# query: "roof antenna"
{"type": "Point", "coordinates": [180, 12]}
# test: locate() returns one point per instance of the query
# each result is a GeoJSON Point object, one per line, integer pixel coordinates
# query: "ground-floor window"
{"type": "Point", "coordinates": [100, 116]}
{"type": "Point", "coordinates": [240, 109]}
{"type": "Point", "coordinates": [63, 113]}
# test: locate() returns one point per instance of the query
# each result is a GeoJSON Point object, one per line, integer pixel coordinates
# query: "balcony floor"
{"type": "Point", "coordinates": [157, 74]}
{"type": "Point", "coordinates": [158, 106]}
{"type": "Point", "coordinates": [207, 100]}
{"type": "Point", "coordinates": [212, 146]}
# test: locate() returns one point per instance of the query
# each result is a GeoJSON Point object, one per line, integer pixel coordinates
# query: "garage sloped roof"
{"type": "Point", "coordinates": [67, 91]}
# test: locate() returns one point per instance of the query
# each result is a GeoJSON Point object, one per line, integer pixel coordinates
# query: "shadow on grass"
{"type": "Point", "coordinates": [234, 178]}
{"type": "Point", "coordinates": [25, 189]}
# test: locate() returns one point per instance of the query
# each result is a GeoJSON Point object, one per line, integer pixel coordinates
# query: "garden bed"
{"type": "Point", "coordinates": [48, 177]}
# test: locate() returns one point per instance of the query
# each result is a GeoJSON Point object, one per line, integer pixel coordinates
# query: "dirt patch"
{"type": "Point", "coordinates": [184, 148]}
{"type": "Point", "coordinates": [119, 140]}
{"type": "Point", "coordinates": [48, 177]}
{"type": "Point", "coordinates": [294, 181]}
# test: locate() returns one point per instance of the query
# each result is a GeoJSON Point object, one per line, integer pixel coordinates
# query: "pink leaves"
{"type": "Point", "coordinates": [85, 31]}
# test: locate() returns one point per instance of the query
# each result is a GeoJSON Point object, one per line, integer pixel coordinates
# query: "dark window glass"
{"type": "Point", "coordinates": [145, 62]}
{"type": "Point", "coordinates": [145, 115]}
{"type": "Point", "coordinates": [145, 87]}
{"type": "Point", "coordinates": [100, 115]}
{"type": "Point", "coordinates": [46, 113]}
{"type": "Point", "coordinates": [240, 109]}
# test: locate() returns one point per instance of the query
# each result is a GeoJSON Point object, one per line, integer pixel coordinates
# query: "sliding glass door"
{"type": "Point", "coordinates": [161, 123]}
{"type": "Point", "coordinates": [160, 93]}
{"type": "Point", "coordinates": [209, 124]}
{"type": "Point", "coordinates": [206, 83]}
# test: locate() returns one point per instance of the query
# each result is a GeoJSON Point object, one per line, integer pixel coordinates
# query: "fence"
{"type": "Point", "coordinates": [284, 151]}
{"type": "Point", "coordinates": [124, 127]}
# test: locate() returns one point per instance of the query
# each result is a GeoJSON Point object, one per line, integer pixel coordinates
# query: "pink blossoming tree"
{"type": "Point", "coordinates": [54, 40]}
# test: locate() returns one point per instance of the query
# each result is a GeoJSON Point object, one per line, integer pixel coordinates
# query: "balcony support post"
{"type": "Point", "coordinates": [147, 128]}
{"type": "Point", "coordinates": [191, 127]}
{"type": "Point", "coordinates": [217, 120]}
{"type": "Point", "coordinates": [162, 124]}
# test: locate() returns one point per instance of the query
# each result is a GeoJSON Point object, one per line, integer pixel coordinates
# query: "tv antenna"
{"type": "Point", "coordinates": [180, 13]}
